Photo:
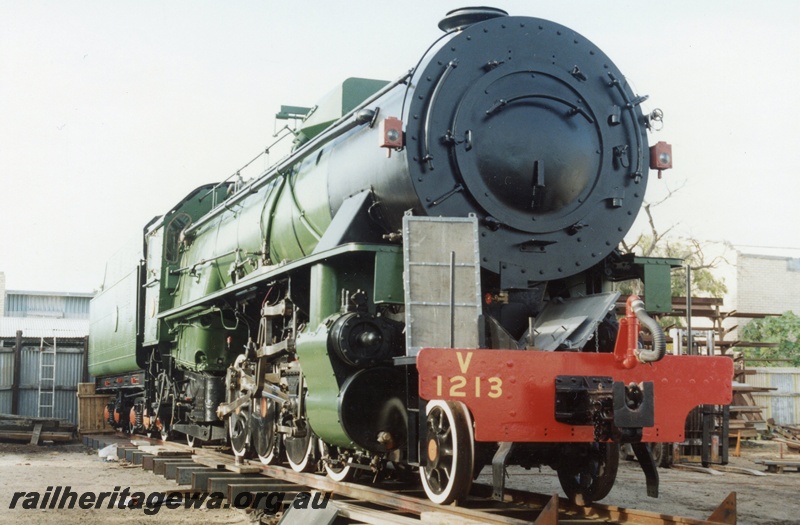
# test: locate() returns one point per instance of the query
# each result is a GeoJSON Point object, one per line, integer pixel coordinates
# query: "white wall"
{"type": "Point", "coordinates": [2, 294]}
{"type": "Point", "coordinates": [768, 284]}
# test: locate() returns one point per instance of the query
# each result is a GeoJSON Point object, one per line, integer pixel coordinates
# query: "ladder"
{"type": "Point", "coordinates": [47, 378]}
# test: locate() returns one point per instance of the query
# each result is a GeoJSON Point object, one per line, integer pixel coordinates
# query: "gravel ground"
{"type": "Point", "coordinates": [32, 469]}
{"type": "Point", "coordinates": [762, 500]}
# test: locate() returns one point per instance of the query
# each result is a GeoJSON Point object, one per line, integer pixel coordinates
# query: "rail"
{"type": "Point", "coordinates": [392, 503]}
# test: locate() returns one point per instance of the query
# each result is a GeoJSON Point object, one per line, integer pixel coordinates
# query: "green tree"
{"type": "Point", "coordinates": [658, 243]}
{"type": "Point", "coordinates": [783, 331]}
{"type": "Point", "coordinates": [692, 253]}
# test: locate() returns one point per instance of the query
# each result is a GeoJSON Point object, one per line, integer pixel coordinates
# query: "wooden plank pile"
{"type": "Point", "coordinates": [786, 434]}
{"type": "Point", "coordinates": [745, 414]}
{"type": "Point", "coordinates": [35, 429]}
{"type": "Point", "coordinates": [778, 467]}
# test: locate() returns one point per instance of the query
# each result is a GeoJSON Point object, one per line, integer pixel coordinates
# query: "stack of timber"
{"type": "Point", "coordinates": [35, 429]}
{"type": "Point", "coordinates": [787, 434]}
{"type": "Point", "coordinates": [746, 415]}
{"type": "Point", "coordinates": [91, 419]}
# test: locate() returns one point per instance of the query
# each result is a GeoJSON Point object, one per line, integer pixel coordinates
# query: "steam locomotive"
{"type": "Point", "coordinates": [424, 284]}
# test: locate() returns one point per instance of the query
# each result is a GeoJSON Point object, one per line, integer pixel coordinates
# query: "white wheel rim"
{"type": "Point", "coordinates": [445, 494]}
{"type": "Point", "coordinates": [300, 467]}
{"type": "Point", "coordinates": [339, 475]}
{"type": "Point", "coordinates": [269, 458]}
{"type": "Point", "coordinates": [335, 475]}
{"type": "Point", "coordinates": [238, 453]}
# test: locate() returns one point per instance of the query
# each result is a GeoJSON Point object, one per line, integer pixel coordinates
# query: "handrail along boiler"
{"type": "Point", "coordinates": [423, 284]}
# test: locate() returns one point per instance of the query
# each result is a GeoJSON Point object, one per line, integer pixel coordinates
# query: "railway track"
{"type": "Point", "coordinates": [210, 470]}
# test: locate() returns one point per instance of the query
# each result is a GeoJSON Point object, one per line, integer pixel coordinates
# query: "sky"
{"type": "Point", "coordinates": [111, 112]}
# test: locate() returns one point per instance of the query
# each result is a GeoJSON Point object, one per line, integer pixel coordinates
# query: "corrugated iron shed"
{"type": "Point", "coordinates": [20, 390]}
{"type": "Point", "coordinates": [47, 304]}
{"type": "Point", "coordinates": [43, 327]}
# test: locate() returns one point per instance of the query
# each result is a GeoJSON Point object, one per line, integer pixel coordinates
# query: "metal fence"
{"type": "Point", "coordinates": [69, 371]}
{"type": "Point", "coordinates": [783, 403]}
{"type": "Point", "coordinates": [6, 379]}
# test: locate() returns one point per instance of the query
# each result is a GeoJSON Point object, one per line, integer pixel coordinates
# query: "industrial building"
{"type": "Point", "coordinates": [43, 341]}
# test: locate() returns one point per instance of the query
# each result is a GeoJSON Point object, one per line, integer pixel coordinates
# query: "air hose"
{"type": "Point", "coordinates": [659, 340]}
